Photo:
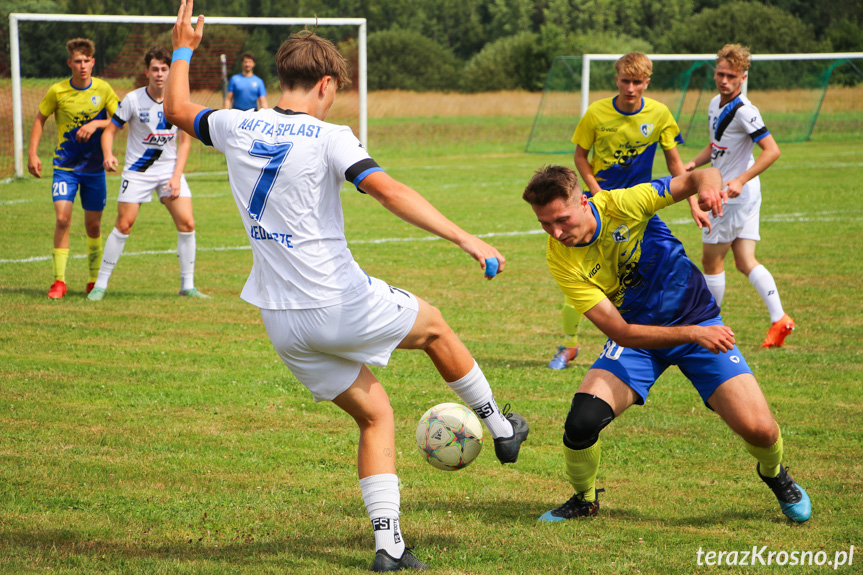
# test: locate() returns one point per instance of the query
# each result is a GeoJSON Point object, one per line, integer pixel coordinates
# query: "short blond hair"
{"type": "Point", "coordinates": [82, 45]}
{"type": "Point", "coordinates": [634, 65]}
{"type": "Point", "coordinates": [737, 56]}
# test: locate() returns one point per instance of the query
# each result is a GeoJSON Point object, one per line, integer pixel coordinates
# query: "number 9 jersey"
{"type": "Point", "coordinates": [286, 171]}
{"type": "Point", "coordinates": [151, 148]}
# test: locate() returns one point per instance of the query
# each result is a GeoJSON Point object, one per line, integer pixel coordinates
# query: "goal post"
{"type": "Point", "coordinates": [802, 96]}
{"type": "Point", "coordinates": [15, 57]}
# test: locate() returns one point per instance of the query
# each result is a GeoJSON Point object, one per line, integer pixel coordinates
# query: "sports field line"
{"type": "Point", "coordinates": [797, 217]}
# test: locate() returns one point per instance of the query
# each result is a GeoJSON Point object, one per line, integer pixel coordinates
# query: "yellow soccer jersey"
{"type": "Point", "coordinates": [634, 261]}
{"type": "Point", "coordinates": [624, 145]}
{"type": "Point", "coordinates": [72, 108]}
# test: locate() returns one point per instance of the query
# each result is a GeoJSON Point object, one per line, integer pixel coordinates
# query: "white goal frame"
{"type": "Point", "coordinates": [588, 58]}
{"type": "Point", "coordinates": [14, 56]}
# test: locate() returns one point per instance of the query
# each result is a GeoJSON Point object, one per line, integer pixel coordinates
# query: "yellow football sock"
{"type": "Point", "coordinates": [768, 457]}
{"type": "Point", "coordinates": [94, 256]}
{"type": "Point", "coordinates": [571, 319]}
{"type": "Point", "coordinates": [582, 465]}
{"type": "Point", "coordinates": [59, 257]}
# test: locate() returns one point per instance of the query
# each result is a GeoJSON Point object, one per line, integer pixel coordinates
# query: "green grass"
{"type": "Point", "coordinates": [152, 434]}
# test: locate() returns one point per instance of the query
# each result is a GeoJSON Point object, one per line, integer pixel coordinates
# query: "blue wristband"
{"type": "Point", "coordinates": [182, 54]}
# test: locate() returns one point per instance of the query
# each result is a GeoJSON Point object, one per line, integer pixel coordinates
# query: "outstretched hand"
{"type": "Point", "coordinates": [481, 252]}
{"type": "Point", "coordinates": [183, 35]}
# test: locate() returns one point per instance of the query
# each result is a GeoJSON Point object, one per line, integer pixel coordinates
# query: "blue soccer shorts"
{"type": "Point", "coordinates": [640, 368]}
{"type": "Point", "coordinates": [94, 191]}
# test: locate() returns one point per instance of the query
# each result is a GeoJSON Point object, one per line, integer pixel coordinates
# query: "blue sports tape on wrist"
{"type": "Point", "coordinates": [491, 267]}
{"type": "Point", "coordinates": [182, 54]}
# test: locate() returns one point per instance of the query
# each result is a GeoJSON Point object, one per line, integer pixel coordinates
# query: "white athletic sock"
{"type": "Point", "coordinates": [475, 391]}
{"type": "Point", "coordinates": [383, 501]}
{"type": "Point", "coordinates": [110, 255]}
{"type": "Point", "coordinates": [716, 285]}
{"type": "Point", "coordinates": [186, 247]}
{"type": "Point", "coordinates": [763, 282]}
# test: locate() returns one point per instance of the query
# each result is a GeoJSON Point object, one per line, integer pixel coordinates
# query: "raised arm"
{"type": "Point", "coordinates": [179, 109]}
{"type": "Point", "coordinates": [714, 338]}
{"type": "Point", "coordinates": [410, 206]}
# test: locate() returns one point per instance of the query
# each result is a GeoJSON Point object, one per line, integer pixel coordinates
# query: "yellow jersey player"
{"type": "Point", "coordinates": [735, 127]}
{"type": "Point", "coordinates": [624, 132]}
{"type": "Point", "coordinates": [82, 107]}
{"type": "Point", "coordinates": [623, 269]}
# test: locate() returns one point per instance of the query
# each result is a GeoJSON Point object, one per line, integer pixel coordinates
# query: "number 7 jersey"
{"type": "Point", "coordinates": [286, 171]}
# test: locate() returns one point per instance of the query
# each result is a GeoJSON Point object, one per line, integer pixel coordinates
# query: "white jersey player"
{"type": "Point", "coordinates": [326, 318]}
{"type": "Point", "coordinates": [156, 154]}
{"type": "Point", "coordinates": [735, 127]}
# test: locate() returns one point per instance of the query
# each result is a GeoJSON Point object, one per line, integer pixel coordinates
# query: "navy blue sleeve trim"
{"type": "Point", "coordinates": [202, 126]}
{"type": "Point", "coordinates": [759, 134]}
{"type": "Point", "coordinates": [358, 172]}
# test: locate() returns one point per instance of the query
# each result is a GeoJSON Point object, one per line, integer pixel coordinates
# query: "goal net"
{"type": "Point", "coordinates": [121, 42]}
{"type": "Point", "coordinates": [802, 97]}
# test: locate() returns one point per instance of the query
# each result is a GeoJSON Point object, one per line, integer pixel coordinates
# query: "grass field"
{"type": "Point", "coordinates": [151, 434]}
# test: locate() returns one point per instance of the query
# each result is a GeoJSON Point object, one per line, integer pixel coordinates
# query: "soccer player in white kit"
{"type": "Point", "coordinates": [327, 319]}
{"type": "Point", "coordinates": [735, 127]}
{"type": "Point", "coordinates": [156, 154]}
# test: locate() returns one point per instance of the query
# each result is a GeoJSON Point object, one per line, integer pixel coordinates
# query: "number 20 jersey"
{"type": "Point", "coordinates": [286, 171]}
{"type": "Point", "coordinates": [151, 148]}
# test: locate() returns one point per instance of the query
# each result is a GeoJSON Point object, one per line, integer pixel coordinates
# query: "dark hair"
{"type": "Point", "coordinates": [157, 53]}
{"type": "Point", "coordinates": [304, 58]}
{"type": "Point", "coordinates": [550, 183]}
{"type": "Point", "coordinates": [248, 55]}
{"type": "Point", "coordinates": [82, 45]}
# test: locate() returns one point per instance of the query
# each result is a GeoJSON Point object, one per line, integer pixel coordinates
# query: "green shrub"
{"type": "Point", "coordinates": [511, 63]}
{"type": "Point", "coordinates": [407, 60]}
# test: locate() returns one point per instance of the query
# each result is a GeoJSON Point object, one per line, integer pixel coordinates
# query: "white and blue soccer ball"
{"type": "Point", "coordinates": [449, 436]}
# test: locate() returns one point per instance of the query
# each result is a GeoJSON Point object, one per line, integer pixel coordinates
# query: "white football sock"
{"type": "Point", "coordinates": [383, 500]}
{"type": "Point", "coordinates": [716, 285]}
{"type": "Point", "coordinates": [186, 247]}
{"type": "Point", "coordinates": [475, 391]}
{"type": "Point", "coordinates": [113, 250]}
{"type": "Point", "coordinates": [763, 282]}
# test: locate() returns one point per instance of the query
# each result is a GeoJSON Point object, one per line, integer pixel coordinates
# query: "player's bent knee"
{"type": "Point", "coordinates": [588, 415]}
{"type": "Point", "coordinates": [761, 434]}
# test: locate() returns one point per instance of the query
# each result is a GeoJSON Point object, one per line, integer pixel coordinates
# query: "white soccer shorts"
{"type": "Point", "coordinates": [140, 191]}
{"type": "Point", "coordinates": [737, 221]}
{"type": "Point", "coordinates": [325, 348]}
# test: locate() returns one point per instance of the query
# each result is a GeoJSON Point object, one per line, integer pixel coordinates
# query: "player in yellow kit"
{"type": "Point", "coordinates": [82, 107]}
{"type": "Point", "coordinates": [624, 132]}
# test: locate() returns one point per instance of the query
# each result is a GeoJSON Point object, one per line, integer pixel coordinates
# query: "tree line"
{"type": "Point", "coordinates": [474, 45]}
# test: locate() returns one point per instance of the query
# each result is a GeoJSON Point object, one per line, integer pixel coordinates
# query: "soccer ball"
{"type": "Point", "coordinates": [449, 436]}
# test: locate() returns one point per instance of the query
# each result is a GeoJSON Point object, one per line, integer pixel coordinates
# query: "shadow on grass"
{"type": "Point", "coordinates": [293, 553]}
